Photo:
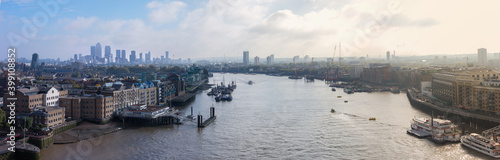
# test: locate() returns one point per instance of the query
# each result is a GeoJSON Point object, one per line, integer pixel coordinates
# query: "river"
{"type": "Point", "coordinates": [277, 118]}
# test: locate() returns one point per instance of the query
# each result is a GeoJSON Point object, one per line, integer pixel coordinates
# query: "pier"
{"type": "Point", "coordinates": [182, 100]}
{"type": "Point", "coordinates": [421, 103]}
{"type": "Point", "coordinates": [201, 123]}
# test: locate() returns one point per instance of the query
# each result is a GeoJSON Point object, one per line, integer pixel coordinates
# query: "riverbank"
{"type": "Point", "coordinates": [432, 105]}
{"type": "Point", "coordinates": [86, 131]}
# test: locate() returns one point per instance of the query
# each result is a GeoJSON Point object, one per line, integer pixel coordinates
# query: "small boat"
{"type": "Point", "coordinates": [218, 98]}
{"type": "Point", "coordinates": [333, 89]}
{"type": "Point", "coordinates": [227, 97]}
{"type": "Point", "coordinates": [250, 82]}
{"type": "Point", "coordinates": [345, 101]}
{"type": "Point", "coordinates": [339, 96]}
{"type": "Point", "coordinates": [372, 118]}
{"type": "Point", "coordinates": [294, 77]}
{"type": "Point", "coordinates": [333, 111]}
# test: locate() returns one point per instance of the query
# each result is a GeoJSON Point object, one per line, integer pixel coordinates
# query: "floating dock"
{"type": "Point", "coordinates": [201, 123]}
{"type": "Point", "coordinates": [419, 134]}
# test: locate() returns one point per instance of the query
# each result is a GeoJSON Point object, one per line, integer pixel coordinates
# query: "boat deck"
{"type": "Point", "coordinates": [419, 134]}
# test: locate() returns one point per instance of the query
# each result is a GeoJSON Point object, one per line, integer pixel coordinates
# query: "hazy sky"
{"type": "Point", "coordinates": [214, 28]}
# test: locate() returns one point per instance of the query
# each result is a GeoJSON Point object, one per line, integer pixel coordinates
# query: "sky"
{"type": "Point", "coordinates": [218, 28]}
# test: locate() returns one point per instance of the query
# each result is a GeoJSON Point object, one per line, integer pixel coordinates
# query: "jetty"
{"type": "Point", "coordinates": [184, 99]}
{"type": "Point", "coordinates": [201, 123]}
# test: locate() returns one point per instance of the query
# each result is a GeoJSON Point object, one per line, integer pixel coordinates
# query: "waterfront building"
{"type": "Point", "coordinates": [377, 73]}
{"type": "Point", "coordinates": [246, 58]}
{"type": "Point", "coordinates": [145, 111]}
{"type": "Point", "coordinates": [179, 84]}
{"type": "Point", "coordinates": [27, 99]}
{"type": "Point", "coordinates": [487, 99]}
{"type": "Point", "coordinates": [90, 107]}
{"type": "Point", "coordinates": [464, 89]}
{"type": "Point", "coordinates": [147, 93]}
{"type": "Point", "coordinates": [50, 96]}
{"type": "Point", "coordinates": [48, 116]}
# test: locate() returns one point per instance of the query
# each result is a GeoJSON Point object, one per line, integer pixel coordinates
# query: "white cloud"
{"type": "Point", "coordinates": [164, 11]}
{"type": "Point", "coordinates": [79, 23]}
{"type": "Point", "coordinates": [227, 27]}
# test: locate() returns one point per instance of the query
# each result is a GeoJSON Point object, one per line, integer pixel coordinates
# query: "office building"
{"type": "Point", "coordinates": [388, 55]}
{"type": "Point", "coordinates": [482, 56]}
{"type": "Point", "coordinates": [92, 52]}
{"type": "Point", "coordinates": [98, 51]}
{"type": "Point", "coordinates": [246, 58]}
{"type": "Point", "coordinates": [34, 61]}
{"type": "Point", "coordinates": [132, 57]}
{"type": "Point", "coordinates": [107, 53]}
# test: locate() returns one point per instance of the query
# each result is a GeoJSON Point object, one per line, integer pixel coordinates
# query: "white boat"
{"type": "Point", "coordinates": [486, 143]}
{"type": "Point", "coordinates": [440, 130]}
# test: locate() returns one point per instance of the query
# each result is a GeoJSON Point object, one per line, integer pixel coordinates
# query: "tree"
{"type": "Point", "coordinates": [3, 118]}
{"type": "Point", "coordinates": [26, 121]}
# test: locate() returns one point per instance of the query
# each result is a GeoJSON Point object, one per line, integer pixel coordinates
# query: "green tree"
{"type": "Point", "coordinates": [26, 121]}
{"type": "Point", "coordinates": [3, 118]}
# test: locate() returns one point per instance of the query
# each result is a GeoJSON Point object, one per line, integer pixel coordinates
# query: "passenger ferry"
{"type": "Point", "coordinates": [440, 130]}
{"type": "Point", "coordinates": [486, 143]}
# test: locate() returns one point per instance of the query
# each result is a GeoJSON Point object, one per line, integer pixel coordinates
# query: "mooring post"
{"type": "Point", "coordinates": [212, 111]}
{"type": "Point", "coordinates": [200, 121]}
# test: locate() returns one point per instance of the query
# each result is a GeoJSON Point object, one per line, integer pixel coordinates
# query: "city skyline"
{"type": "Point", "coordinates": [225, 28]}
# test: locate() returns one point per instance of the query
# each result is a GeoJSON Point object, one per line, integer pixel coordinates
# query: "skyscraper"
{"type": "Point", "coordinates": [34, 61]}
{"type": "Point", "coordinates": [124, 57]}
{"type": "Point", "coordinates": [117, 57]}
{"type": "Point", "coordinates": [246, 58]}
{"type": "Point", "coordinates": [388, 55]}
{"type": "Point", "coordinates": [166, 56]}
{"type": "Point", "coordinates": [107, 53]}
{"type": "Point", "coordinates": [80, 56]}
{"type": "Point", "coordinates": [98, 51]}
{"type": "Point", "coordinates": [272, 59]}
{"type": "Point", "coordinates": [256, 60]}
{"type": "Point", "coordinates": [482, 56]}
{"type": "Point", "coordinates": [92, 52]}
{"type": "Point", "coordinates": [132, 57]}
{"type": "Point", "coordinates": [76, 57]}
{"type": "Point", "coordinates": [148, 57]}
{"type": "Point", "coordinates": [140, 58]}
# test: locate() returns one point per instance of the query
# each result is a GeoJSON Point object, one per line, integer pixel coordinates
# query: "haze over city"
{"type": "Point", "coordinates": [217, 28]}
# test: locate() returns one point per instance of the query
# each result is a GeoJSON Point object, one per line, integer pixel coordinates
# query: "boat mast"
{"type": "Point", "coordinates": [340, 60]}
{"type": "Point", "coordinates": [333, 58]}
